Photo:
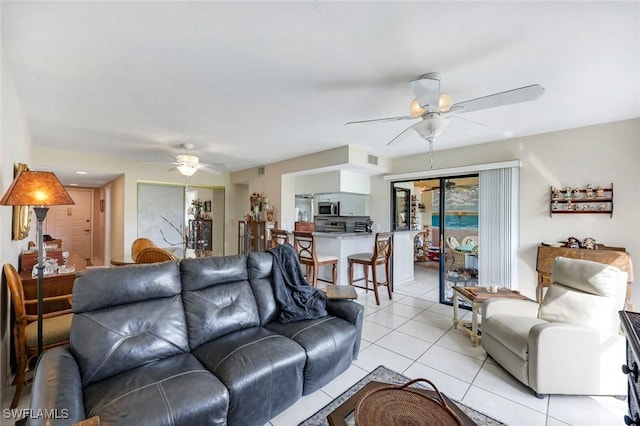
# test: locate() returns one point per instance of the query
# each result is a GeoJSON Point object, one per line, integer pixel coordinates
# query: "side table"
{"type": "Point", "coordinates": [475, 296]}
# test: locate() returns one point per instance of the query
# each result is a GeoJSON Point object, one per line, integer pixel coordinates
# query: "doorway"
{"type": "Point", "coordinates": [73, 224]}
{"type": "Point", "coordinates": [442, 215]}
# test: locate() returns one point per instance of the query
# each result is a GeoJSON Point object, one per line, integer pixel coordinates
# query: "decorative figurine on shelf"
{"type": "Point", "coordinates": [271, 214]}
{"type": "Point", "coordinates": [576, 193]}
{"type": "Point", "coordinates": [555, 205]}
{"type": "Point", "coordinates": [567, 192]}
{"type": "Point", "coordinates": [557, 194]}
{"type": "Point", "coordinates": [599, 192]}
{"type": "Point", "coordinates": [589, 191]}
{"type": "Point", "coordinates": [255, 200]}
{"type": "Point", "coordinates": [589, 243]}
{"type": "Point", "coordinates": [196, 208]}
{"type": "Point", "coordinates": [573, 242]}
{"type": "Point", "coordinates": [569, 204]}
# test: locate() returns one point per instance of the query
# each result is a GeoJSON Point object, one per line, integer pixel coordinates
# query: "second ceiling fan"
{"type": "Point", "coordinates": [433, 109]}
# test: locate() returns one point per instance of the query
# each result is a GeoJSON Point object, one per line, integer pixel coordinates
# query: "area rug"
{"type": "Point", "coordinates": [383, 374]}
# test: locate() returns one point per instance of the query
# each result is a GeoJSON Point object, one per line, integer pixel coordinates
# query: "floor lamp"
{"type": "Point", "coordinates": [37, 189]}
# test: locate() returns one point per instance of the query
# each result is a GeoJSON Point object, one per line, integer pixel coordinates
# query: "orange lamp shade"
{"type": "Point", "coordinates": [32, 188]}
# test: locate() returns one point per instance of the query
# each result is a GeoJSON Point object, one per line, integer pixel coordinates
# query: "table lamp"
{"type": "Point", "coordinates": [37, 189]}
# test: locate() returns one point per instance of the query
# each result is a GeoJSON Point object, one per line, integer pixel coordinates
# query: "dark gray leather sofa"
{"type": "Point", "coordinates": [189, 343]}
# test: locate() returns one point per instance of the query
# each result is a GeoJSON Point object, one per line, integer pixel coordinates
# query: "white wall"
{"type": "Point", "coordinates": [15, 147]}
{"type": "Point", "coordinates": [597, 155]}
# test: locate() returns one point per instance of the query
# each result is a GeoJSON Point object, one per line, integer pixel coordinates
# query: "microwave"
{"type": "Point", "coordinates": [328, 209]}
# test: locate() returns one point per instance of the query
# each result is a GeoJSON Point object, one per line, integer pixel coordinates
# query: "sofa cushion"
{"type": "Point", "coordinates": [217, 303]}
{"type": "Point", "coordinates": [172, 391]}
{"type": "Point", "coordinates": [126, 317]}
{"type": "Point", "coordinates": [261, 369]}
{"type": "Point", "coordinates": [328, 342]}
{"type": "Point", "coordinates": [512, 331]}
{"type": "Point", "coordinates": [259, 265]}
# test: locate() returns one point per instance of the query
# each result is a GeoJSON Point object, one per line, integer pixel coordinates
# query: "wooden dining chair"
{"type": "Point", "coordinates": [279, 237]}
{"type": "Point", "coordinates": [305, 245]}
{"type": "Point", "coordinates": [154, 255]}
{"type": "Point", "coordinates": [382, 251]}
{"type": "Point", "coordinates": [138, 245]}
{"type": "Point", "coordinates": [55, 328]}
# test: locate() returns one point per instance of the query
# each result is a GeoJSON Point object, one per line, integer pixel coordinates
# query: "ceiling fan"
{"type": "Point", "coordinates": [188, 164]}
{"type": "Point", "coordinates": [433, 109]}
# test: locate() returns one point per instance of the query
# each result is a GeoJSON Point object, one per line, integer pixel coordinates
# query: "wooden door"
{"type": "Point", "coordinates": [72, 224]}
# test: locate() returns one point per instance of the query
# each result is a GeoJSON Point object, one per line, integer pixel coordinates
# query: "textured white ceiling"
{"type": "Point", "coordinates": [255, 82]}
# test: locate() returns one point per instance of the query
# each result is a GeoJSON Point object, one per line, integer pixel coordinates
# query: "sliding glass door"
{"type": "Point", "coordinates": [457, 221]}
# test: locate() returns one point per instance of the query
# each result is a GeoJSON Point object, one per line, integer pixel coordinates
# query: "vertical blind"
{"type": "Point", "coordinates": [498, 226]}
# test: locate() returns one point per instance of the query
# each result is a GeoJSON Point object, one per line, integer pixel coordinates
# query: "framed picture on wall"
{"type": "Point", "coordinates": [207, 206]}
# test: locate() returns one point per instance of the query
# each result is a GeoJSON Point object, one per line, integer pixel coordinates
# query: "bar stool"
{"type": "Point", "coordinates": [279, 237]}
{"type": "Point", "coordinates": [305, 245]}
{"type": "Point", "coordinates": [382, 251]}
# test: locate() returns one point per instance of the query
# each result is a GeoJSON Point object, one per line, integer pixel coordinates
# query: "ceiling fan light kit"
{"type": "Point", "coordinates": [187, 169]}
{"type": "Point", "coordinates": [431, 126]}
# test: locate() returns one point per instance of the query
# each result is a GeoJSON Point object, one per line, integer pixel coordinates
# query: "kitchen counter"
{"type": "Point", "coordinates": [342, 235]}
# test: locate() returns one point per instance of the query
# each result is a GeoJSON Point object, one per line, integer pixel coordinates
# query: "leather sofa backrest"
{"type": "Point", "coordinates": [259, 265]}
{"type": "Point", "coordinates": [125, 317]}
{"type": "Point", "coordinates": [585, 292]}
{"type": "Point", "coordinates": [217, 297]}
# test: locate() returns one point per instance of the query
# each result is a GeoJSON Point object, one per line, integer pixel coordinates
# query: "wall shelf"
{"type": "Point", "coordinates": [586, 200]}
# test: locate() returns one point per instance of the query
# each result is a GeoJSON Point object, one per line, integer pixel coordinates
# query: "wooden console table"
{"type": "Point", "coordinates": [616, 256]}
{"type": "Point", "coordinates": [54, 285]}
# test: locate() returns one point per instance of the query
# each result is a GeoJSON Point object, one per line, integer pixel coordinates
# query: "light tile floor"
{"type": "Point", "coordinates": [413, 335]}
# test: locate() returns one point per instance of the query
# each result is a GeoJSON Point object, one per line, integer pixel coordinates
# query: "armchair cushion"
{"type": "Point", "coordinates": [587, 276]}
{"type": "Point", "coordinates": [512, 331]}
{"type": "Point", "coordinates": [586, 293]}
{"type": "Point", "coordinates": [564, 304]}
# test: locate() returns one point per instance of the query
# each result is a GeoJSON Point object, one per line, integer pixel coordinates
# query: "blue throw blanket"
{"type": "Point", "coordinates": [295, 298]}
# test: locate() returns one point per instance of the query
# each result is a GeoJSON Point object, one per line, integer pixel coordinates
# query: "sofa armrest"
{"type": "Point", "coordinates": [57, 388]}
{"type": "Point", "coordinates": [560, 353]}
{"type": "Point", "coordinates": [349, 311]}
{"type": "Point", "coordinates": [498, 306]}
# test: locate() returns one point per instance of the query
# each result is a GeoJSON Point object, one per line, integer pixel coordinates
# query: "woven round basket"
{"type": "Point", "coordinates": [402, 405]}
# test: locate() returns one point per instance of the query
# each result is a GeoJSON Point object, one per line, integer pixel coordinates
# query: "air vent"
{"type": "Point", "coordinates": [372, 159]}
{"type": "Point", "coordinates": [260, 170]}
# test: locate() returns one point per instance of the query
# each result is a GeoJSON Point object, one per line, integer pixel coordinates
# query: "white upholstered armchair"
{"type": "Point", "coordinates": [571, 342]}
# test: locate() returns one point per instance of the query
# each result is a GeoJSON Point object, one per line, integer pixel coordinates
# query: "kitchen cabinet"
{"type": "Point", "coordinates": [327, 198]}
{"type": "Point", "coordinates": [354, 204]}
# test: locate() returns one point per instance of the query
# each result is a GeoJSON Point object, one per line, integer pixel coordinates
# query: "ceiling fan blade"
{"type": "Point", "coordinates": [157, 162]}
{"type": "Point", "coordinates": [522, 94]}
{"type": "Point", "coordinates": [400, 134]}
{"type": "Point", "coordinates": [382, 119]}
{"type": "Point", "coordinates": [427, 91]}
{"type": "Point", "coordinates": [208, 170]}
{"type": "Point", "coordinates": [214, 165]}
{"type": "Point", "coordinates": [457, 117]}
